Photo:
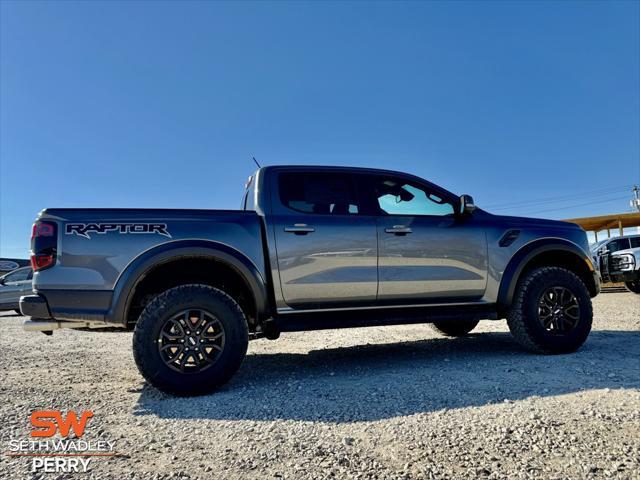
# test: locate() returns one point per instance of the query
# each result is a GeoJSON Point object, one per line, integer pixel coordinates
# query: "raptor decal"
{"type": "Point", "coordinates": [86, 229]}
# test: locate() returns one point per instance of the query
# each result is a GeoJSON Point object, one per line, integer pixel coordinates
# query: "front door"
{"type": "Point", "coordinates": [427, 253]}
{"type": "Point", "coordinates": [326, 247]}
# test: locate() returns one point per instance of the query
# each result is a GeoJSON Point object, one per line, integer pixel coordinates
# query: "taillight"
{"type": "Point", "coordinates": [43, 245]}
{"type": "Point", "coordinates": [43, 229]}
{"type": "Point", "coordinates": [38, 262]}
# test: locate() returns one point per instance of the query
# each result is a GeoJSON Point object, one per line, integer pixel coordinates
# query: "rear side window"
{"type": "Point", "coordinates": [635, 242]}
{"type": "Point", "coordinates": [318, 193]}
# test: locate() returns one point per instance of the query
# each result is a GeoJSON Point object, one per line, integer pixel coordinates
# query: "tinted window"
{"type": "Point", "coordinates": [18, 275]}
{"type": "Point", "coordinates": [398, 197]}
{"type": "Point", "coordinates": [635, 242]}
{"type": "Point", "coordinates": [318, 193]}
{"type": "Point", "coordinates": [618, 244]}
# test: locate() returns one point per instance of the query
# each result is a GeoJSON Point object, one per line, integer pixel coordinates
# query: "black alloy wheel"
{"type": "Point", "coordinates": [191, 341]}
{"type": "Point", "coordinates": [558, 310]}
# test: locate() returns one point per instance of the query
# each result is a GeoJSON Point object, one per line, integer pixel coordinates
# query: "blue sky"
{"type": "Point", "coordinates": [144, 104]}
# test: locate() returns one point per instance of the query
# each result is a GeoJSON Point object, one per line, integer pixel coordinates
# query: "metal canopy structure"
{"type": "Point", "coordinates": [607, 222]}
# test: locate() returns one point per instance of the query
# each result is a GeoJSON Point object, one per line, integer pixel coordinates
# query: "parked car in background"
{"type": "Point", "coordinates": [618, 261]}
{"type": "Point", "coordinates": [13, 285]}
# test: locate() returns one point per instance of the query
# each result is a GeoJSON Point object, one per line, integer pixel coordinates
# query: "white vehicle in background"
{"type": "Point", "coordinates": [618, 260]}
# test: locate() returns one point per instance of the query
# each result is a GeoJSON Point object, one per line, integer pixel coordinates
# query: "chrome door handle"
{"type": "Point", "coordinates": [299, 229]}
{"type": "Point", "coordinates": [398, 230]}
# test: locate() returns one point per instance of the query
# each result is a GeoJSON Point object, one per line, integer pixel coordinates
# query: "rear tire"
{"type": "Point", "coordinates": [454, 328]}
{"type": "Point", "coordinates": [633, 286]}
{"type": "Point", "coordinates": [169, 354]}
{"type": "Point", "coordinates": [551, 311]}
{"type": "Point", "coordinates": [17, 310]}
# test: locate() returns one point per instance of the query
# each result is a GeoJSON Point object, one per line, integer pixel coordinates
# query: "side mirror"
{"type": "Point", "coordinates": [467, 206]}
{"type": "Point", "coordinates": [603, 251]}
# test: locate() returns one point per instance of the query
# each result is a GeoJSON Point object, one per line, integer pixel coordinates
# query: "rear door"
{"type": "Point", "coordinates": [426, 252]}
{"type": "Point", "coordinates": [326, 247]}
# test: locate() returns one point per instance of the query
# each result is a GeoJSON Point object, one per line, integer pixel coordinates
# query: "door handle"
{"type": "Point", "coordinates": [299, 229]}
{"type": "Point", "coordinates": [398, 230]}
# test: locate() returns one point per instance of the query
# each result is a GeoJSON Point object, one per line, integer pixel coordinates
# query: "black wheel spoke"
{"type": "Point", "coordinates": [213, 337]}
{"type": "Point", "coordinates": [171, 338]}
{"type": "Point", "coordinates": [168, 346]}
{"type": "Point", "coordinates": [572, 312]}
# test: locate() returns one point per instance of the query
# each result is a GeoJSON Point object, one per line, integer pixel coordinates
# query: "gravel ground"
{"type": "Point", "coordinates": [392, 402]}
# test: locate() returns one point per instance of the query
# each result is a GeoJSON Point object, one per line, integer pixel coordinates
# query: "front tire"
{"type": "Point", "coordinates": [190, 340]}
{"type": "Point", "coordinates": [633, 286]}
{"type": "Point", "coordinates": [454, 328]}
{"type": "Point", "coordinates": [551, 311]}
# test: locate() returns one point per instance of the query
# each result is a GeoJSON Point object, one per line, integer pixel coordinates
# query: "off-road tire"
{"type": "Point", "coordinates": [633, 287]}
{"type": "Point", "coordinates": [523, 319]}
{"type": "Point", "coordinates": [454, 328]}
{"type": "Point", "coordinates": [153, 319]}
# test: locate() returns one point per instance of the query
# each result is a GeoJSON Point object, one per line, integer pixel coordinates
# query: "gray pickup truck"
{"type": "Point", "coordinates": [312, 248]}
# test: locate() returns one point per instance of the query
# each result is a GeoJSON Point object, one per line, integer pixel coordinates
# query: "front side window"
{"type": "Point", "coordinates": [618, 244]}
{"type": "Point", "coordinates": [398, 197]}
{"type": "Point", "coordinates": [318, 193]}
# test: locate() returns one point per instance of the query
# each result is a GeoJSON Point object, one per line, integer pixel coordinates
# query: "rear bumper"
{"type": "Point", "coordinates": [35, 306]}
{"type": "Point", "coordinates": [39, 309]}
{"type": "Point", "coordinates": [68, 305]}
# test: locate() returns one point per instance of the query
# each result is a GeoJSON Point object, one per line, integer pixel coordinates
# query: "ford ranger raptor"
{"type": "Point", "coordinates": [311, 248]}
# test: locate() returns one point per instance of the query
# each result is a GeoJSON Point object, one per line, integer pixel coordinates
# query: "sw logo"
{"type": "Point", "coordinates": [62, 456]}
{"type": "Point", "coordinates": [47, 423]}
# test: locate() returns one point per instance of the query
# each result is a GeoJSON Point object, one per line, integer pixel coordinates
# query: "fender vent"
{"type": "Point", "coordinates": [509, 237]}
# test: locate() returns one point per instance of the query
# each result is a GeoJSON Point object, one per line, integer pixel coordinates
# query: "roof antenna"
{"type": "Point", "coordinates": [256, 162]}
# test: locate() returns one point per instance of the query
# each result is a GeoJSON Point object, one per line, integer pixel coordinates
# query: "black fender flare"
{"type": "Point", "coordinates": [522, 257]}
{"type": "Point", "coordinates": [138, 268]}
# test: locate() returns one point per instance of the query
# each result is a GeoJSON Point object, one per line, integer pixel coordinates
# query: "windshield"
{"type": "Point", "coordinates": [597, 245]}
